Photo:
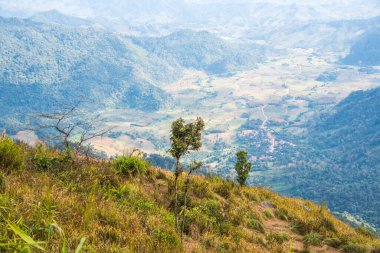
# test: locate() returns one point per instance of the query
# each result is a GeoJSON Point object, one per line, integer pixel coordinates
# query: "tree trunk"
{"type": "Point", "coordinates": [66, 143]}
{"type": "Point", "coordinates": [176, 173]}
{"type": "Point", "coordinates": [185, 204]}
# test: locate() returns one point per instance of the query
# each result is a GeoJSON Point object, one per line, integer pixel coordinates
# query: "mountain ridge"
{"type": "Point", "coordinates": [61, 200]}
{"type": "Point", "coordinates": [56, 17]}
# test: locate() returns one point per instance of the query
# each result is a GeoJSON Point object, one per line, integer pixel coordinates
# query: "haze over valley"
{"type": "Point", "coordinates": [294, 84]}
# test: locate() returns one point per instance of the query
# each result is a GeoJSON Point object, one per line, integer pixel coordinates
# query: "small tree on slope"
{"type": "Point", "coordinates": [242, 167]}
{"type": "Point", "coordinates": [184, 138]}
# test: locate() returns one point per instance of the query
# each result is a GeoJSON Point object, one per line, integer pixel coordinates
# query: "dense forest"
{"type": "Point", "coordinates": [337, 160]}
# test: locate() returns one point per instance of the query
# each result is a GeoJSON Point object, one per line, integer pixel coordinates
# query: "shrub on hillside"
{"type": "Point", "coordinates": [224, 188]}
{"type": "Point", "coordinates": [354, 248]}
{"type": "Point", "coordinates": [131, 166]}
{"type": "Point", "coordinates": [365, 231]}
{"type": "Point", "coordinates": [11, 155]}
{"type": "Point", "coordinates": [281, 213]}
{"type": "Point", "coordinates": [268, 214]}
{"type": "Point", "coordinates": [328, 224]}
{"type": "Point", "coordinates": [256, 225]}
{"type": "Point", "coordinates": [165, 240]}
{"type": "Point", "coordinates": [254, 221]}
{"type": "Point", "coordinates": [208, 215]}
{"type": "Point", "coordinates": [196, 221]}
{"type": "Point", "coordinates": [312, 239]}
{"type": "Point", "coordinates": [277, 238]}
{"type": "Point", "coordinates": [120, 192]}
{"type": "Point", "coordinates": [201, 189]}
{"type": "Point", "coordinates": [44, 160]}
{"type": "Point", "coordinates": [333, 242]}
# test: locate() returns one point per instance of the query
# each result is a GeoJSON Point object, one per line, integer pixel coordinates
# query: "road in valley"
{"type": "Point", "coordinates": [269, 132]}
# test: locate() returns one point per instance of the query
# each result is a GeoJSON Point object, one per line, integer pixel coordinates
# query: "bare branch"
{"type": "Point", "coordinates": [70, 123]}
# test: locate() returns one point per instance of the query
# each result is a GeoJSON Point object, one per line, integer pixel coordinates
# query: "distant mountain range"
{"type": "Point", "coordinates": [257, 19]}
{"type": "Point", "coordinates": [42, 63]}
{"type": "Point", "coordinates": [56, 17]}
{"type": "Point", "coordinates": [334, 36]}
{"type": "Point", "coordinates": [203, 51]}
{"type": "Point", "coordinates": [182, 11]}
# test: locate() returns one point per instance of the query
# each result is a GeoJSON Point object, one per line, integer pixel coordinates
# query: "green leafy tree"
{"type": "Point", "coordinates": [184, 138]}
{"type": "Point", "coordinates": [242, 167]}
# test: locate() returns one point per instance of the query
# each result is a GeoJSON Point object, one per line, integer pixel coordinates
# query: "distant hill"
{"type": "Point", "coordinates": [56, 17]}
{"type": "Point", "coordinates": [366, 50]}
{"type": "Point", "coordinates": [67, 63]}
{"type": "Point", "coordinates": [203, 51]}
{"type": "Point", "coordinates": [335, 36]}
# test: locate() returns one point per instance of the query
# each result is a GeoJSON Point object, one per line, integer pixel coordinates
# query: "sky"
{"type": "Point", "coordinates": [93, 8]}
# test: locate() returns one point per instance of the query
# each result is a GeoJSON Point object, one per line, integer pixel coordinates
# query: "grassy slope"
{"type": "Point", "coordinates": [116, 213]}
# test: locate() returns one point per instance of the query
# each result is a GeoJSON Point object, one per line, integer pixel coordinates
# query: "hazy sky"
{"type": "Point", "coordinates": [91, 8]}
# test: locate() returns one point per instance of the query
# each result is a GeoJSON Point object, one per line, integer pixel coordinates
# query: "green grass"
{"type": "Point", "coordinates": [314, 239]}
{"type": "Point", "coordinates": [11, 155]}
{"type": "Point", "coordinates": [90, 205]}
{"type": "Point", "coordinates": [130, 166]}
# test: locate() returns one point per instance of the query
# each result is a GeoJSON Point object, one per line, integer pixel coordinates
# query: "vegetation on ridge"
{"type": "Point", "coordinates": [74, 198]}
{"type": "Point", "coordinates": [184, 138]}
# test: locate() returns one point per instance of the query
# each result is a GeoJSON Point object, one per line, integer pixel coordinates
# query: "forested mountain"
{"type": "Point", "coordinates": [67, 63]}
{"type": "Point", "coordinates": [365, 51]}
{"type": "Point", "coordinates": [340, 161]}
{"type": "Point", "coordinates": [203, 51]}
{"type": "Point", "coordinates": [42, 64]}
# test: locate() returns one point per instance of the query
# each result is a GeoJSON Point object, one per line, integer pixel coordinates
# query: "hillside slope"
{"type": "Point", "coordinates": [338, 160]}
{"type": "Point", "coordinates": [57, 200]}
{"type": "Point", "coordinates": [70, 62]}
{"type": "Point", "coordinates": [366, 50]}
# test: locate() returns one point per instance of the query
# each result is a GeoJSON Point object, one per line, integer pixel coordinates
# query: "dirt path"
{"type": "Point", "coordinates": [270, 136]}
{"type": "Point", "coordinates": [295, 241]}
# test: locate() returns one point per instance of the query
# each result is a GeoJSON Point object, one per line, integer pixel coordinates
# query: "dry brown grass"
{"type": "Point", "coordinates": [117, 213]}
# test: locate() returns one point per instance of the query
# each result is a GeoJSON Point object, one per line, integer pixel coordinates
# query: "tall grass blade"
{"type": "Point", "coordinates": [26, 238]}
{"type": "Point", "coordinates": [64, 247]}
{"type": "Point", "coordinates": [79, 248]}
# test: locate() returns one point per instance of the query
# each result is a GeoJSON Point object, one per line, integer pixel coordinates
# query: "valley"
{"type": "Point", "coordinates": [299, 91]}
{"type": "Point", "coordinates": [268, 111]}
{"type": "Point", "coordinates": [285, 86]}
